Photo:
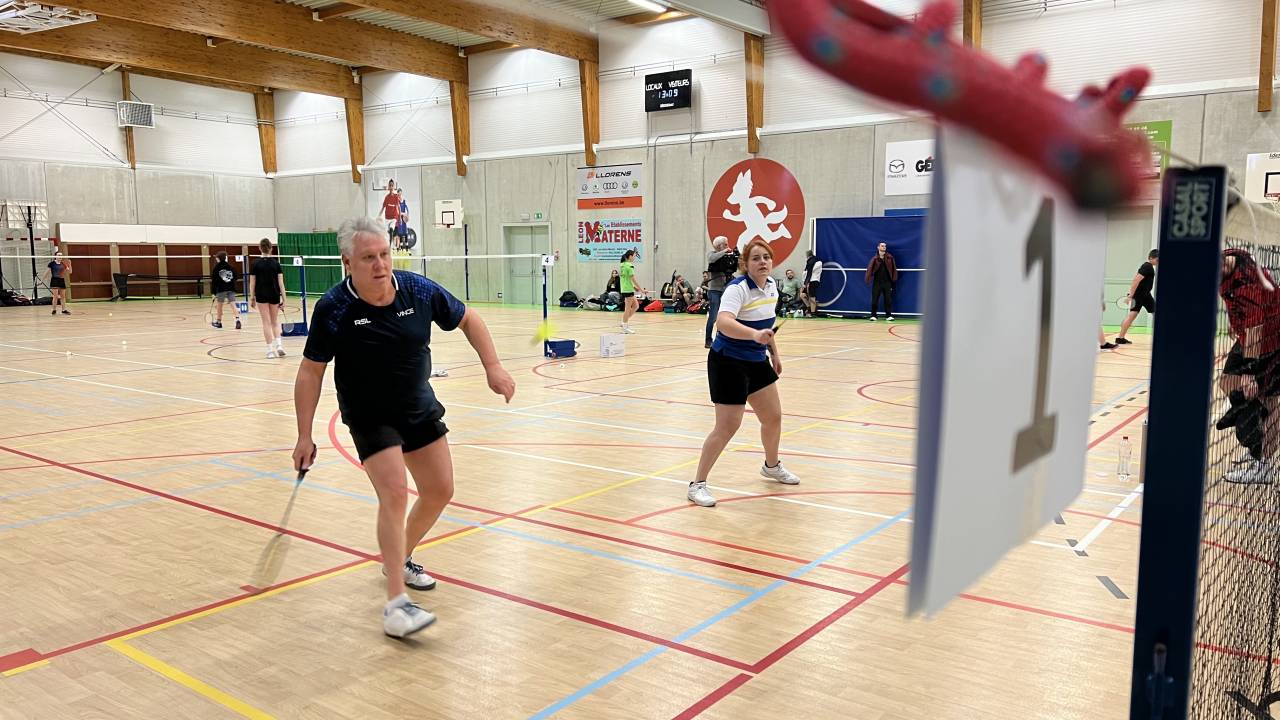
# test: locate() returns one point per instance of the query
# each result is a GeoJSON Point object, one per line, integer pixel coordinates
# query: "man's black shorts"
{"type": "Point", "coordinates": [1143, 301]}
{"type": "Point", "coordinates": [732, 380]}
{"type": "Point", "coordinates": [374, 438]}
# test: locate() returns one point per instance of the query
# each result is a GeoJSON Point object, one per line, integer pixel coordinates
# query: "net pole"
{"type": "Point", "coordinates": [302, 280]}
{"type": "Point", "coordinates": [546, 341]}
{"type": "Point", "coordinates": [466, 264]}
{"type": "Point", "coordinates": [1193, 216]}
{"type": "Point", "coordinates": [31, 242]}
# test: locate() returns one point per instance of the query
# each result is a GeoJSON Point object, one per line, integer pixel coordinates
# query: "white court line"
{"type": "Point", "coordinates": [149, 364]}
{"type": "Point", "coordinates": [128, 334]}
{"type": "Point", "coordinates": [1104, 524]}
{"type": "Point", "coordinates": [720, 488]}
{"type": "Point", "coordinates": [634, 473]}
{"type": "Point", "coordinates": [594, 395]}
{"type": "Point", "coordinates": [149, 392]}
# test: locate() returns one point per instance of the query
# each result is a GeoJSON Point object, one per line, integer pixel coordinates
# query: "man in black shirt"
{"type": "Point", "coordinates": [1140, 296]}
{"type": "Point", "coordinates": [222, 280]}
{"type": "Point", "coordinates": [376, 325]}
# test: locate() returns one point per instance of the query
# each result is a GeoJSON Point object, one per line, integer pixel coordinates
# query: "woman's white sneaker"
{"type": "Point", "coordinates": [700, 495]}
{"type": "Point", "coordinates": [779, 473]}
{"type": "Point", "coordinates": [401, 618]}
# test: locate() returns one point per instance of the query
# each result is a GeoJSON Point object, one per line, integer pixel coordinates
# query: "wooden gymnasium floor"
{"type": "Point", "coordinates": [139, 485]}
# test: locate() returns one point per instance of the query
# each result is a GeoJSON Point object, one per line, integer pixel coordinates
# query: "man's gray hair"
{"type": "Point", "coordinates": [351, 228]}
{"type": "Point", "coordinates": [720, 242]}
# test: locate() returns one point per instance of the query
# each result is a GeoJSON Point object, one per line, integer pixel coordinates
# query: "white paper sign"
{"type": "Point", "coordinates": [297, 262]}
{"type": "Point", "coordinates": [610, 186]}
{"type": "Point", "coordinates": [239, 258]}
{"type": "Point", "coordinates": [908, 167]}
{"type": "Point", "coordinates": [1262, 176]}
{"type": "Point", "coordinates": [1010, 341]}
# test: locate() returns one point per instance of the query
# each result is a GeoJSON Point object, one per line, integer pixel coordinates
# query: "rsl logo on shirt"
{"type": "Point", "coordinates": [362, 321]}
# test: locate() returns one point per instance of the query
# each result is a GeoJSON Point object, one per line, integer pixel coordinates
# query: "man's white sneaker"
{"type": "Point", "coordinates": [700, 495]}
{"type": "Point", "coordinates": [779, 473]}
{"type": "Point", "coordinates": [401, 618]}
{"type": "Point", "coordinates": [1255, 472]}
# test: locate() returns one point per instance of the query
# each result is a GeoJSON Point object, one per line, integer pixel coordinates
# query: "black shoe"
{"type": "Point", "coordinates": [66, 312]}
{"type": "Point", "coordinates": [217, 325]}
{"type": "Point", "coordinates": [1122, 341]}
{"type": "Point", "coordinates": [54, 311]}
{"type": "Point", "coordinates": [707, 345]}
{"type": "Point", "coordinates": [1107, 346]}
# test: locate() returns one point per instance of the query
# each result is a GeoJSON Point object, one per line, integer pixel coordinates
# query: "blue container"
{"type": "Point", "coordinates": [560, 348]}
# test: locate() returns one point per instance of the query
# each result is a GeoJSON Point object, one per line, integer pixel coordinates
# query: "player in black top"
{"type": "Point", "coordinates": [376, 327]}
{"type": "Point", "coordinates": [266, 292]}
{"type": "Point", "coordinates": [1140, 294]}
{"type": "Point", "coordinates": [222, 281]}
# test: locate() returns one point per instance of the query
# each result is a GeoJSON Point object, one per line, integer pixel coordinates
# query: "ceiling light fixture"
{"type": "Point", "coordinates": [648, 5]}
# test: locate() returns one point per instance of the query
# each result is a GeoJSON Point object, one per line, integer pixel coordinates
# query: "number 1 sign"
{"type": "Point", "coordinates": [1010, 339]}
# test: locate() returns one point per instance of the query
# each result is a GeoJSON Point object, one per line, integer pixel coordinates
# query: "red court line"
{"type": "Point", "coordinates": [25, 657]}
{"type": "Point", "coordinates": [1097, 441]}
{"type": "Point", "coordinates": [863, 393]}
{"type": "Point", "coordinates": [714, 697]}
{"type": "Point", "coordinates": [749, 411]}
{"type": "Point", "coordinates": [194, 504]}
{"type": "Point", "coordinates": [143, 419]}
{"type": "Point", "coordinates": [686, 506]}
{"type": "Point", "coordinates": [663, 550]}
{"type": "Point", "coordinates": [333, 440]}
{"type": "Point", "coordinates": [791, 645]}
{"type": "Point", "coordinates": [156, 457]}
{"type": "Point", "coordinates": [680, 647]}
{"type": "Point", "coordinates": [633, 446]}
{"type": "Point", "coordinates": [849, 571]}
{"type": "Point", "coordinates": [901, 337]}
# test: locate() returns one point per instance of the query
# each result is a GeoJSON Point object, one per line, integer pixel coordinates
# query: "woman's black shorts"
{"type": "Point", "coordinates": [732, 380]}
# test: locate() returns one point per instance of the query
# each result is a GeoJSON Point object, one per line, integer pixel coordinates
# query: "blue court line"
{"type": "Point", "coordinates": [1116, 399]}
{"type": "Point", "coordinates": [605, 555]}
{"type": "Point", "coordinates": [43, 490]}
{"type": "Point", "coordinates": [116, 505]}
{"type": "Point", "coordinates": [718, 617]}
{"type": "Point", "coordinates": [124, 503]}
{"type": "Point", "coordinates": [514, 533]}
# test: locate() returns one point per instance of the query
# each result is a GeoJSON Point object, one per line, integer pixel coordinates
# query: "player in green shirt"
{"type": "Point", "coordinates": [627, 276]}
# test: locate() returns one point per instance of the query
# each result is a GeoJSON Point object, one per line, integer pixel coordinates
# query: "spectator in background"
{"type": "Point", "coordinates": [223, 284]}
{"type": "Point", "coordinates": [718, 276]}
{"type": "Point", "coordinates": [681, 291]}
{"type": "Point", "coordinates": [700, 292]}
{"type": "Point", "coordinates": [882, 274]}
{"type": "Point", "coordinates": [812, 278]}
{"type": "Point", "coordinates": [614, 284]}
{"type": "Point", "coordinates": [391, 209]}
{"type": "Point", "coordinates": [791, 285]}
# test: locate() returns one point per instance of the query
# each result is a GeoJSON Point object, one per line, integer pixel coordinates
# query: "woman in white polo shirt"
{"type": "Point", "coordinates": [740, 372]}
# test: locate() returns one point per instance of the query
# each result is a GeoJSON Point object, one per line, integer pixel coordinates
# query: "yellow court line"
{"type": "Point", "coordinates": [429, 543]}
{"type": "Point", "coordinates": [176, 675]}
{"type": "Point", "coordinates": [24, 668]}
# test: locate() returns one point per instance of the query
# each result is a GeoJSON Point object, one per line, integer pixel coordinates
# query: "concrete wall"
{"type": "Point", "coordinates": [840, 171]}
{"type": "Point", "coordinates": [97, 194]}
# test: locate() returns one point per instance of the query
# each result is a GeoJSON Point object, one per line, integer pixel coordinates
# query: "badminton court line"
{"type": "Point", "coordinates": [172, 673]}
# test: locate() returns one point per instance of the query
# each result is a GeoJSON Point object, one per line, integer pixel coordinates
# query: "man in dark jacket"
{"type": "Point", "coordinates": [882, 273]}
{"type": "Point", "coordinates": [222, 280]}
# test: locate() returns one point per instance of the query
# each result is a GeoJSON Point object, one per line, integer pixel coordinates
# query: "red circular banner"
{"type": "Point", "coordinates": [757, 198]}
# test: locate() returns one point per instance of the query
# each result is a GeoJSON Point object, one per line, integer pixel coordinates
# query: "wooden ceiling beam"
{"type": "Point", "coordinates": [143, 46]}
{"type": "Point", "coordinates": [488, 47]}
{"type": "Point", "coordinates": [972, 22]}
{"type": "Point", "coordinates": [589, 81]}
{"type": "Point", "coordinates": [754, 59]}
{"type": "Point", "coordinates": [498, 23]}
{"type": "Point", "coordinates": [1267, 58]}
{"type": "Point", "coordinates": [130, 146]}
{"type": "Point", "coordinates": [460, 106]}
{"type": "Point", "coordinates": [334, 11]}
{"type": "Point", "coordinates": [264, 105]}
{"type": "Point", "coordinates": [289, 27]}
{"type": "Point", "coordinates": [355, 134]}
{"type": "Point", "coordinates": [176, 77]}
{"type": "Point", "coordinates": [649, 18]}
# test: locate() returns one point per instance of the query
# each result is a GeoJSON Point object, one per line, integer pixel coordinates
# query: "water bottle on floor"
{"type": "Point", "coordinates": [1126, 454]}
